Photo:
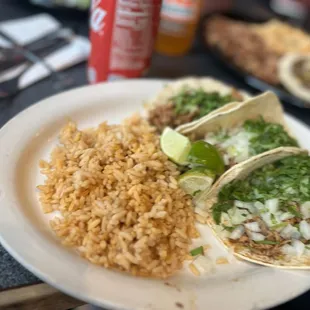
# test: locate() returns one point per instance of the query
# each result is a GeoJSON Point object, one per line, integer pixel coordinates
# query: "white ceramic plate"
{"type": "Point", "coordinates": [25, 233]}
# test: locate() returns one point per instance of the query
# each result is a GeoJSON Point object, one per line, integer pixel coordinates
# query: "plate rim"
{"type": "Point", "coordinates": [35, 270]}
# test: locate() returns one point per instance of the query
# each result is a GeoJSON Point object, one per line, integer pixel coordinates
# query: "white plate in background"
{"type": "Point", "coordinates": [25, 233]}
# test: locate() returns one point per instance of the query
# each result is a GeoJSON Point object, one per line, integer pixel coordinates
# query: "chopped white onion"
{"type": "Point", "coordinates": [253, 226]}
{"type": "Point", "coordinates": [305, 209]}
{"type": "Point", "coordinates": [246, 205]}
{"type": "Point", "coordinates": [286, 216]}
{"type": "Point", "coordinates": [267, 219]}
{"type": "Point", "coordinates": [204, 264]}
{"type": "Point", "coordinates": [290, 232]}
{"type": "Point", "coordinates": [226, 159]}
{"type": "Point", "coordinates": [296, 234]}
{"type": "Point", "coordinates": [237, 232]}
{"type": "Point", "coordinates": [239, 204]}
{"type": "Point", "coordinates": [296, 249]}
{"type": "Point", "coordinates": [236, 146]}
{"type": "Point", "coordinates": [238, 216]}
{"type": "Point", "coordinates": [212, 139]}
{"type": "Point", "coordinates": [272, 205]}
{"type": "Point", "coordinates": [259, 206]}
{"type": "Point", "coordinates": [288, 250]}
{"type": "Point", "coordinates": [299, 247]}
{"type": "Point", "coordinates": [225, 219]}
{"type": "Point", "coordinates": [271, 219]}
{"type": "Point", "coordinates": [256, 236]}
{"type": "Point", "coordinates": [304, 228]}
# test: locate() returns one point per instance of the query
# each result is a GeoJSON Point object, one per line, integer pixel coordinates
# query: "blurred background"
{"type": "Point", "coordinates": [187, 38]}
{"type": "Point", "coordinates": [47, 46]}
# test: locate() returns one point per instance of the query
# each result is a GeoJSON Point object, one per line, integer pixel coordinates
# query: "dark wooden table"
{"type": "Point", "coordinates": [18, 287]}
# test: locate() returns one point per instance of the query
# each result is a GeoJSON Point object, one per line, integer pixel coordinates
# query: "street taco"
{"type": "Point", "coordinates": [251, 128]}
{"type": "Point", "coordinates": [183, 102]}
{"type": "Point", "coordinates": [260, 208]}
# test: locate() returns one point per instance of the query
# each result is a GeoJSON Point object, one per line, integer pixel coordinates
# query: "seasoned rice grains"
{"type": "Point", "coordinates": [118, 197]}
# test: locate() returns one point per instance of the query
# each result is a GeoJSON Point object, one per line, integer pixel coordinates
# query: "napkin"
{"type": "Point", "coordinates": [37, 27]}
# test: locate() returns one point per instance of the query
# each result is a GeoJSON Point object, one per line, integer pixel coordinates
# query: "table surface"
{"type": "Point", "coordinates": [198, 63]}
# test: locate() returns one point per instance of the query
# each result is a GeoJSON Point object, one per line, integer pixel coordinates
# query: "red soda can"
{"type": "Point", "coordinates": [122, 34]}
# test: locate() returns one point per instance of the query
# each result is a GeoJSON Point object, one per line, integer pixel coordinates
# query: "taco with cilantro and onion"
{"type": "Point", "coordinates": [246, 130]}
{"type": "Point", "coordinates": [182, 103]}
{"type": "Point", "coordinates": [260, 209]}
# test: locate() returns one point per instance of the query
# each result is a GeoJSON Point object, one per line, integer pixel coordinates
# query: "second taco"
{"type": "Point", "coordinates": [255, 126]}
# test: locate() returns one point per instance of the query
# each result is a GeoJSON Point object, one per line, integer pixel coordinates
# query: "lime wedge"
{"type": "Point", "coordinates": [175, 146]}
{"type": "Point", "coordinates": [206, 155]}
{"type": "Point", "coordinates": [196, 180]}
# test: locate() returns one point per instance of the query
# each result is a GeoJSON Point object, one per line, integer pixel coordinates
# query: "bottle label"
{"type": "Point", "coordinates": [122, 37]}
{"type": "Point", "coordinates": [180, 10]}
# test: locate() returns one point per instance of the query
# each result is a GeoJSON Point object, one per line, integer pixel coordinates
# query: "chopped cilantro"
{"type": "Point", "coordinates": [218, 209]}
{"type": "Point", "coordinates": [267, 136]}
{"type": "Point", "coordinates": [270, 181]}
{"type": "Point", "coordinates": [273, 219]}
{"type": "Point", "coordinates": [191, 100]}
{"type": "Point", "coordinates": [197, 251]}
{"type": "Point", "coordinates": [267, 242]}
{"type": "Point", "coordinates": [196, 192]}
{"type": "Point", "coordinates": [229, 228]}
{"type": "Point", "coordinates": [277, 226]}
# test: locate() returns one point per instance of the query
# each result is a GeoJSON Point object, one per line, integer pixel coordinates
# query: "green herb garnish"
{"type": "Point", "coordinates": [196, 192]}
{"type": "Point", "coordinates": [218, 209]}
{"type": "Point", "coordinates": [272, 181]}
{"type": "Point", "coordinates": [191, 100]}
{"type": "Point", "coordinates": [267, 136]}
{"type": "Point", "coordinates": [197, 251]}
{"type": "Point", "coordinates": [273, 219]}
{"type": "Point", "coordinates": [270, 242]}
{"type": "Point", "coordinates": [229, 228]}
{"type": "Point", "coordinates": [277, 226]}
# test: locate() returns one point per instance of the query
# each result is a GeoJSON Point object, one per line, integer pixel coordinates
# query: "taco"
{"type": "Point", "coordinates": [186, 100]}
{"type": "Point", "coordinates": [260, 209]}
{"type": "Point", "coordinates": [251, 128]}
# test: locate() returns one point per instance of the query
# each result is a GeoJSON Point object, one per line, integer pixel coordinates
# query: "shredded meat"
{"type": "Point", "coordinates": [243, 240]}
{"type": "Point", "coordinates": [271, 250]}
{"type": "Point", "coordinates": [243, 47]}
{"type": "Point", "coordinates": [263, 249]}
{"type": "Point", "coordinates": [266, 249]}
{"type": "Point", "coordinates": [164, 115]}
